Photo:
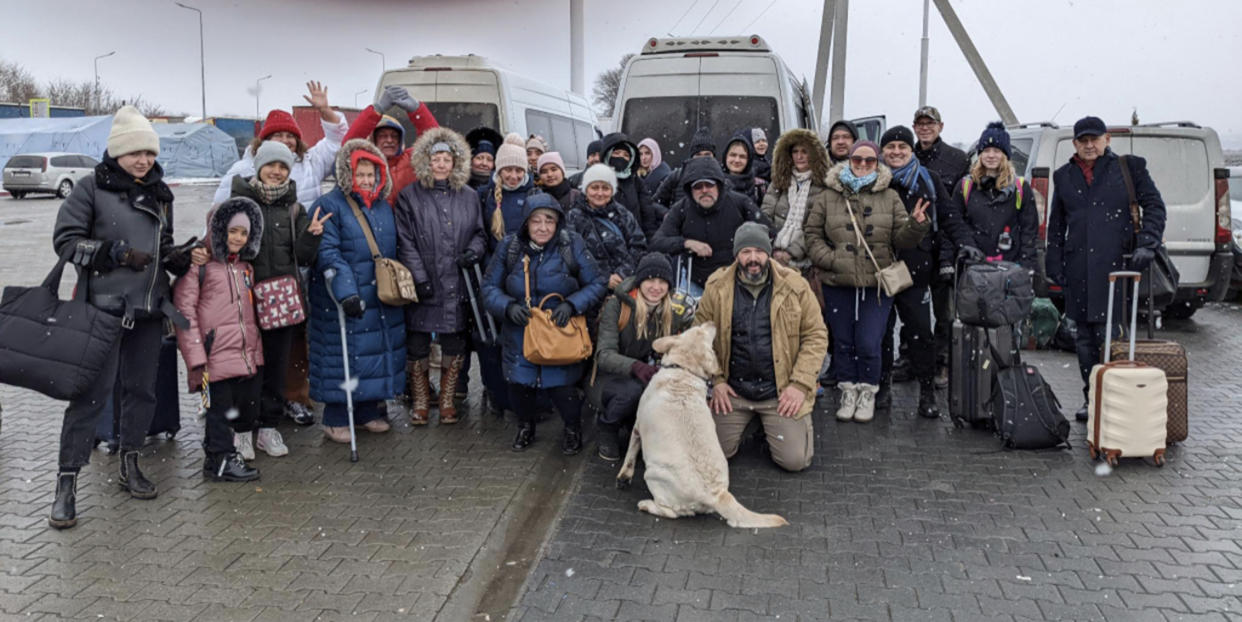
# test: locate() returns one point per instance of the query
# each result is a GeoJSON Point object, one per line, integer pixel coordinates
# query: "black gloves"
{"type": "Point", "coordinates": [177, 258]}
{"type": "Point", "coordinates": [562, 313]}
{"type": "Point", "coordinates": [518, 313]}
{"type": "Point", "coordinates": [354, 307]}
{"type": "Point", "coordinates": [1141, 258]}
{"type": "Point", "coordinates": [468, 258]}
{"type": "Point", "coordinates": [970, 253]}
{"type": "Point", "coordinates": [643, 372]}
{"type": "Point", "coordinates": [424, 290]}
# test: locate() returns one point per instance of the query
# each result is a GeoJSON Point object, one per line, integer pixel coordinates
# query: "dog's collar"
{"type": "Point", "coordinates": [676, 366]}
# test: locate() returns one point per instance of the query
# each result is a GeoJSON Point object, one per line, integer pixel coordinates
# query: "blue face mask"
{"type": "Point", "coordinates": [853, 182]}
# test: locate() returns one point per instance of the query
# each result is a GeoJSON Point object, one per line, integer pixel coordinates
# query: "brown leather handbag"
{"type": "Point", "coordinates": [545, 343]}
{"type": "Point", "coordinates": [393, 280]}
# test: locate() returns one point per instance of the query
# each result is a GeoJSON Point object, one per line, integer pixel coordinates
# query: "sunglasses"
{"type": "Point", "coordinates": [703, 185]}
{"type": "Point", "coordinates": [861, 160]}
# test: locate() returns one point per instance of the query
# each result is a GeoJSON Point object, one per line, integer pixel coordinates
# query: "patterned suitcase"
{"type": "Point", "coordinates": [1127, 400]}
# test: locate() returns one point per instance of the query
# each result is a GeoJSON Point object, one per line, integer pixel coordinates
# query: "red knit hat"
{"type": "Point", "coordinates": [280, 121]}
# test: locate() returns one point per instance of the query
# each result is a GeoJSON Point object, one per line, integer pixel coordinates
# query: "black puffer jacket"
{"type": "Point", "coordinates": [110, 206]}
{"type": "Point", "coordinates": [286, 245]}
{"type": "Point", "coordinates": [611, 234]}
{"type": "Point", "coordinates": [631, 190]}
{"type": "Point", "coordinates": [980, 220]}
{"type": "Point", "coordinates": [746, 182]}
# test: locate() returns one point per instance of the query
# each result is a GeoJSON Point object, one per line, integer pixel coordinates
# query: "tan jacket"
{"type": "Point", "coordinates": [831, 242]}
{"type": "Point", "coordinates": [799, 339]}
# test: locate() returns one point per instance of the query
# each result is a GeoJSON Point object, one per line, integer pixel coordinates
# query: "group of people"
{"type": "Point", "coordinates": [783, 248]}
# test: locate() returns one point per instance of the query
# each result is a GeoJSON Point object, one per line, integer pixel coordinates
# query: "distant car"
{"type": "Point", "coordinates": [1235, 205]}
{"type": "Point", "coordinates": [54, 173]}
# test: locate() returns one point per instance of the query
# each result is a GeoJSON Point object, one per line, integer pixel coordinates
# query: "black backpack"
{"type": "Point", "coordinates": [1027, 414]}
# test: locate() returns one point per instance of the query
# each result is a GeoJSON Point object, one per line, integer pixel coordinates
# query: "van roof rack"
{"type": "Point", "coordinates": [735, 43]}
{"type": "Point", "coordinates": [1171, 124]}
{"type": "Point", "coordinates": [1034, 124]}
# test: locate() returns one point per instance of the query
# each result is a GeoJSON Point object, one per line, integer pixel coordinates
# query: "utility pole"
{"type": "Point", "coordinates": [96, 98]}
{"type": "Point", "coordinates": [828, 17]}
{"type": "Point", "coordinates": [383, 61]}
{"type": "Point", "coordinates": [356, 98]}
{"type": "Point", "coordinates": [976, 63]}
{"type": "Point", "coordinates": [923, 56]}
{"type": "Point", "coordinates": [836, 107]}
{"type": "Point", "coordinates": [577, 81]}
{"type": "Point", "coordinates": [202, 67]}
{"type": "Point", "coordinates": [257, 90]}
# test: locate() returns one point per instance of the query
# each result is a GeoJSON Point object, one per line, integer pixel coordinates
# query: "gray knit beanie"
{"type": "Point", "coordinates": [751, 235]}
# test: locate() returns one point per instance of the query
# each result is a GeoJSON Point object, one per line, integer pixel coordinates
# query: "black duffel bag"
{"type": "Point", "coordinates": [992, 294]}
{"type": "Point", "coordinates": [55, 347]}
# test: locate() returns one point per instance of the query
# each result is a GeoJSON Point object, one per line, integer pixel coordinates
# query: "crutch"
{"type": "Point", "coordinates": [329, 275]}
{"type": "Point", "coordinates": [474, 307]}
{"type": "Point", "coordinates": [491, 322]}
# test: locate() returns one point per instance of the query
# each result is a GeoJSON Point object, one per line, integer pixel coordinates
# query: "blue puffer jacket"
{"type": "Point", "coordinates": [504, 284]}
{"type": "Point", "coordinates": [377, 339]}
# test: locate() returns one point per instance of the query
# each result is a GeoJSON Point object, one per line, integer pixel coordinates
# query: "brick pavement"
{"type": "Point", "coordinates": [909, 519]}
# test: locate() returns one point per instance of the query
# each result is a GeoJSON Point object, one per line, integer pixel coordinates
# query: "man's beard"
{"type": "Point", "coordinates": [754, 277]}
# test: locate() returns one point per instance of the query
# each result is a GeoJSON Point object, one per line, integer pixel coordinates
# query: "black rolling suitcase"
{"type": "Point", "coordinates": [167, 420]}
{"type": "Point", "coordinates": [976, 355]}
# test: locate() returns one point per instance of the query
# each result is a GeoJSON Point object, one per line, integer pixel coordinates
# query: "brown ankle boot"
{"type": "Point", "coordinates": [420, 390]}
{"type": "Point", "coordinates": [450, 369]}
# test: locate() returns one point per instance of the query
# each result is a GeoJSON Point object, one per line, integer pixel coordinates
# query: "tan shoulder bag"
{"type": "Point", "coordinates": [393, 280]}
{"type": "Point", "coordinates": [545, 343]}
{"type": "Point", "coordinates": [891, 280]}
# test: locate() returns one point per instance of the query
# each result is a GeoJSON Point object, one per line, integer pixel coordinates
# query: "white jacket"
{"type": "Point", "coordinates": [308, 173]}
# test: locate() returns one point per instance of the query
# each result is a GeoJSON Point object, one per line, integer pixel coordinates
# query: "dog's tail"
{"type": "Point", "coordinates": [738, 516]}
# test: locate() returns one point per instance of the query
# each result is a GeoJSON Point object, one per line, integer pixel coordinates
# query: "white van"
{"type": "Point", "coordinates": [465, 92]}
{"type": "Point", "coordinates": [1187, 165]}
{"type": "Point", "coordinates": [726, 84]}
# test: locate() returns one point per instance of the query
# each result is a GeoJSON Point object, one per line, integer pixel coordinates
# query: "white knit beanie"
{"type": "Point", "coordinates": [513, 138]}
{"type": "Point", "coordinates": [599, 172]}
{"type": "Point", "coordinates": [272, 151]}
{"type": "Point", "coordinates": [131, 132]}
{"type": "Point", "coordinates": [510, 154]}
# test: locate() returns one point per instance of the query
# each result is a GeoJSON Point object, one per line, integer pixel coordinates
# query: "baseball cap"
{"type": "Point", "coordinates": [928, 111]}
{"type": "Point", "coordinates": [1089, 126]}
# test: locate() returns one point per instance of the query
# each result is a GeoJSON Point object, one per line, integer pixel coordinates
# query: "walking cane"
{"type": "Point", "coordinates": [474, 307]}
{"type": "Point", "coordinates": [330, 274]}
{"type": "Point", "coordinates": [491, 322]}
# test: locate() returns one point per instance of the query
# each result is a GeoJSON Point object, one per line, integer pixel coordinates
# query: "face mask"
{"type": "Point", "coordinates": [618, 163]}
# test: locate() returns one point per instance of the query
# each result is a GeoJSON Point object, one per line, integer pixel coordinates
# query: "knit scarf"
{"type": "Point", "coordinates": [792, 229]}
{"type": "Point", "coordinates": [914, 176]}
{"type": "Point", "coordinates": [269, 194]}
{"type": "Point", "coordinates": [853, 182]}
{"type": "Point", "coordinates": [149, 192]}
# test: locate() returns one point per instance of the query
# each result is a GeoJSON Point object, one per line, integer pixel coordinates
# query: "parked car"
{"type": "Point", "coordinates": [1188, 166]}
{"type": "Point", "coordinates": [1235, 203]}
{"type": "Point", "coordinates": [54, 173]}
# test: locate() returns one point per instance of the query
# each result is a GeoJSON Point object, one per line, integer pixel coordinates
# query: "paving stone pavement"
{"type": "Point", "coordinates": [910, 519]}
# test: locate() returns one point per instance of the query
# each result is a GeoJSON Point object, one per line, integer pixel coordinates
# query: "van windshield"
{"type": "Point", "coordinates": [459, 116]}
{"type": "Point", "coordinates": [671, 121]}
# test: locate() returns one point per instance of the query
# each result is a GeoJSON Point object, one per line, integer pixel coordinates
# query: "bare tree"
{"type": "Point", "coordinates": [16, 84]}
{"type": "Point", "coordinates": [606, 86]}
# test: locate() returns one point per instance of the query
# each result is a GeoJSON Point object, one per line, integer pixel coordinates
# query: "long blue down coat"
{"type": "Point", "coordinates": [1089, 230]}
{"type": "Point", "coordinates": [548, 274]}
{"type": "Point", "coordinates": [377, 339]}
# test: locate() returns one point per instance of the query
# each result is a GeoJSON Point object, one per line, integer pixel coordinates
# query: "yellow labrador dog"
{"type": "Point", "coordinates": [686, 470]}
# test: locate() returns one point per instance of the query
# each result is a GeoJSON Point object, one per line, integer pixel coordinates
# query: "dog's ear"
{"type": "Point", "coordinates": [663, 344]}
{"type": "Point", "coordinates": [710, 329]}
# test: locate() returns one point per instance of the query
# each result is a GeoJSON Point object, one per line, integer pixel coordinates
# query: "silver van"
{"type": "Point", "coordinates": [1188, 166]}
{"type": "Point", "coordinates": [55, 173]}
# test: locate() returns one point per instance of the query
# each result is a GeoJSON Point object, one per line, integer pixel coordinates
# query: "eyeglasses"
{"type": "Point", "coordinates": [702, 185]}
{"type": "Point", "coordinates": [861, 160]}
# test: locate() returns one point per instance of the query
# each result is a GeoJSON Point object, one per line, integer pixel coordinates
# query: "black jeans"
{"type": "Point", "coordinates": [566, 399]}
{"type": "Point", "coordinates": [418, 345]}
{"type": "Point", "coordinates": [242, 395]}
{"type": "Point", "coordinates": [276, 346]}
{"type": "Point", "coordinates": [1089, 345]}
{"type": "Point", "coordinates": [942, 307]}
{"type": "Point", "coordinates": [619, 396]}
{"type": "Point", "coordinates": [133, 364]}
{"type": "Point", "coordinates": [915, 307]}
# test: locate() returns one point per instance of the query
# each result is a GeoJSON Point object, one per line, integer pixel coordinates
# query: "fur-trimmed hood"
{"type": "Point", "coordinates": [883, 177]}
{"type": "Point", "coordinates": [782, 157]}
{"type": "Point", "coordinates": [218, 228]}
{"type": "Point", "coordinates": [345, 172]}
{"type": "Point", "coordinates": [420, 157]}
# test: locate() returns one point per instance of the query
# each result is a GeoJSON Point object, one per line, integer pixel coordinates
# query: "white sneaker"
{"type": "Point", "coordinates": [849, 401]}
{"type": "Point", "coordinates": [866, 402]}
{"type": "Point", "coordinates": [272, 443]}
{"type": "Point", "coordinates": [244, 444]}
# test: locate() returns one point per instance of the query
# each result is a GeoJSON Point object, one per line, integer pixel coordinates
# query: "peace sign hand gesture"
{"type": "Point", "coordinates": [316, 224]}
{"type": "Point", "coordinates": [920, 211]}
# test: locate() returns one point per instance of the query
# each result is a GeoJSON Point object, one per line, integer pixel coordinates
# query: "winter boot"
{"type": "Point", "coordinates": [571, 440]}
{"type": "Point", "coordinates": [525, 436]}
{"type": "Point", "coordinates": [849, 401]}
{"type": "Point", "coordinates": [420, 390]}
{"type": "Point", "coordinates": [450, 371]}
{"type": "Point", "coordinates": [884, 397]}
{"type": "Point", "coordinates": [902, 371]}
{"type": "Point", "coordinates": [866, 402]}
{"type": "Point", "coordinates": [927, 399]}
{"type": "Point", "coordinates": [229, 468]}
{"type": "Point", "coordinates": [64, 506]}
{"type": "Point", "coordinates": [609, 441]}
{"type": "Point", "coordinates": [133, 480]}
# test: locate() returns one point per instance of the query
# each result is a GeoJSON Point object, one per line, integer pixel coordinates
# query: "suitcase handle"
{"type": "Point", "coordinates": [1113, 277]}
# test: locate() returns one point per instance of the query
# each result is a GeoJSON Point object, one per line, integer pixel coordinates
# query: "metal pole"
{"type": "Point", "coordinates": [821, 59]}
{"type": "Point", "coordinates": [202, 66]}
{"type": "Point", "coordinates": [97, 77]}
{"type": "Point", "coordinates": [836, 106]}
{"type": "Point", "coordinates": [383, 61]}
{"type": "Point", "coordinates": [356, 96]}
{"type": "Point", "coordinates": [577, 60]}
{"type": "Point", "coordinates": [976, 62]}
{"type": "Point", "coordinates": [923, 56]}
{"type": "Point", "coordinates": [257, 114]}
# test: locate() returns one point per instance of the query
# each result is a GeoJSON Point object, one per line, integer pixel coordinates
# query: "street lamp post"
{"type": "Point", "coordinates": [257, 88]}
{"type": "Point", "coordinates": [383, 61]}
{"type": "Point", "coordinates": [202, 67]}
{"type": "Point", "coordinates": [97, 77]}
{"type": "Point", "coordinates": [356, 96]}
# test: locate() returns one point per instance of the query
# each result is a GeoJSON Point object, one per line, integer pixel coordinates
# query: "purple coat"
{"type": "Point", "coordinates": [436, 223]}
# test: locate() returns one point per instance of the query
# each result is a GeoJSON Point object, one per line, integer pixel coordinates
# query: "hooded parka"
{"type": "Point", "coordinates": [776, 203]}
{"type": "Point", "coordinates": [631, 190]}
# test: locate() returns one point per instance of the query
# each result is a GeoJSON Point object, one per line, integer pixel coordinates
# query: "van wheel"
{"type": "Point", "coordinates": [1180, 310]}
{"type": "Point", "coordinates": [64, 189]}
{"type": "Point", "coordinates": [17, 194]}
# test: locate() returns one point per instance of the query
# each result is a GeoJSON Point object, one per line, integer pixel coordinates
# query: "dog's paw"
{"type": "Point", "coordinates": [623, 483]}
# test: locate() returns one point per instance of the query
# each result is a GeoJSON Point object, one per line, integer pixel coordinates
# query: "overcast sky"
{"type": "Point", "coordinates": [1068, 58]}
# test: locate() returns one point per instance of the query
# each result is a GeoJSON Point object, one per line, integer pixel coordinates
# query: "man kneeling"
{"type": "Point", "coordinates": [770, 344]}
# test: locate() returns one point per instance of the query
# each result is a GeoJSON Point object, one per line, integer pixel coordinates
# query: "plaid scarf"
{"type": "Point", "coordinates": [267, 193]}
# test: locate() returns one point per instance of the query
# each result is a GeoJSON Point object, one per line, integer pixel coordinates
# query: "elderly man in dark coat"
{"type": "Point", "coordinates": [1090, 233]}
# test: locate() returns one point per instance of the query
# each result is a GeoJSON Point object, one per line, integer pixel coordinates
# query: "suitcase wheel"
{"type": "Point", "coordinates": [1159, 458]}
{"type": "Point", "coordinates": [1091, 451]}
{"type": "Point", "coordinates": [1112, 459]}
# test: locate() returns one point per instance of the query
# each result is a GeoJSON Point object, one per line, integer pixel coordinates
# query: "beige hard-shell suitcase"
{"type": "Point", "coordinates": [1127, 400]}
